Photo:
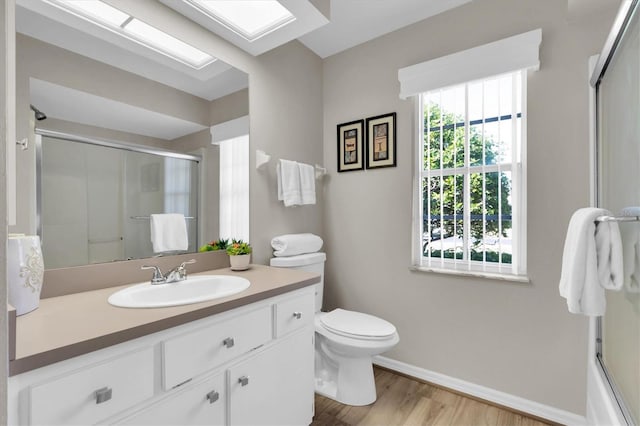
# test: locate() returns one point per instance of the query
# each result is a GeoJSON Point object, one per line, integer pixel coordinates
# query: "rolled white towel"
{"type": "Point", "coordinates": [294, 244]}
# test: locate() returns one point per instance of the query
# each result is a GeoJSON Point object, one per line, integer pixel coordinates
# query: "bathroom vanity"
{"type": "Point", "coordinates": [245, 359]}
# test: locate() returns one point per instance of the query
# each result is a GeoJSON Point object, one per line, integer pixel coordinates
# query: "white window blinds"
{"type": "Point", "coordinates": [233, 139]}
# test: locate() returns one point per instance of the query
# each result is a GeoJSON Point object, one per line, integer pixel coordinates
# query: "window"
{"type": "Point", "coordinates": [470, 180]}
{"type": "Point", "coordinates": [471, 193]}
{"type": "Point", "coordinates": [121, 23]}
{"type": "Point", "coordinates": [249, 18]}
{"type": "Point", "coordinates": [232, 138]}
{"type": "Point", "coordinates": [234, 188]}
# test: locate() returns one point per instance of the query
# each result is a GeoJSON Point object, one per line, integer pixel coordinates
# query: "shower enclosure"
{"type": "Point", "coordinates": [95, 198]}
{"type": "Point", "coordinates": [616, 80]}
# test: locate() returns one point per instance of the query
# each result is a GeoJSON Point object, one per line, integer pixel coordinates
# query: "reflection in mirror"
{"type": "Point", "coordinates": [93, 85]}
{"type": "Point", "coordinates": [98, 198]}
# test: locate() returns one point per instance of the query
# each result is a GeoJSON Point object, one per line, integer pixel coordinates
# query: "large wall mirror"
{"type": "Point", "coordinates": [123, 131]}
{"type": "Point", "coordinates": [617, 83]}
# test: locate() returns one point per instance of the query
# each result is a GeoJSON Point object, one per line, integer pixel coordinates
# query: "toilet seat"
{"type": "Point", "coordinates": [357, 325]}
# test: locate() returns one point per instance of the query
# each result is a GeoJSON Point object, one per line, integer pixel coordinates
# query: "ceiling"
{"type": "Point", "coordinates": [326, 27]}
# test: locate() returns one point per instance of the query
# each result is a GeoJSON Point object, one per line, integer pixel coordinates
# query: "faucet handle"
{"type": "Point", "coordinates": [182, 270]}
{"type": "Point", "coordinates": [157, 278]}
{"type": "Point", "coordinates": [187, 262]}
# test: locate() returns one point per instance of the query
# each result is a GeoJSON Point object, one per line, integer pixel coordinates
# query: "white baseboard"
{"type": "Point", "coordinates": [497, 397]}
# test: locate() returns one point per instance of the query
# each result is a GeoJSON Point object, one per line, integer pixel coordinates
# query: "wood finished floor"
{"type": "Point", "coordinates": [403, 401]}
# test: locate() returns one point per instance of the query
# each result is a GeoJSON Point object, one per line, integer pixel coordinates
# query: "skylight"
{"type": "Point", "coordinates": [134, 29]}
{"type": "Point", "coordinates": [251, 19]}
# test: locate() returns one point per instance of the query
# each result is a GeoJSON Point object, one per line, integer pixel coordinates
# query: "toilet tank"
{"type": "Point", "coordinates": [310, 262]}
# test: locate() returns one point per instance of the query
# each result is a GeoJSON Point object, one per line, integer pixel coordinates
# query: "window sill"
{"type": "Point", "coordinates": [521, 279]}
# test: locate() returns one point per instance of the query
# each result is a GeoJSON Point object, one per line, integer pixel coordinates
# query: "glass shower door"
{"type": "Point", "coordinates": [618, 132]}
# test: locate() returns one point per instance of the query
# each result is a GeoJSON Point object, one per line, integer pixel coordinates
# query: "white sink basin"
{"type": "Point", "coordinates": [194, 289]}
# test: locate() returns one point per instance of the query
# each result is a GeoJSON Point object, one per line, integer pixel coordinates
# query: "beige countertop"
{"type": "Point", "coordinates": [66, 326]}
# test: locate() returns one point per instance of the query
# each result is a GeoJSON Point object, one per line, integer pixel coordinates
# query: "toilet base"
{"type": "Point", "coordinates": [347, 380]}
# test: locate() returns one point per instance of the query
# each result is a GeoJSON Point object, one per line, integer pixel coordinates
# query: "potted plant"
{"type": "Point", "coordinates": [215, 245]}
{"type": "Point", "coordinates": [239, 255]}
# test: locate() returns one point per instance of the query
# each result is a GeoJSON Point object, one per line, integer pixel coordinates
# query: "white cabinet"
{"type": "Point", "coordinates": [252, 365]}
{"type": "Point", "coordinates": [197, 351]}
{"type": "Point", "coordinates": [95, 393]}
{"type": "Point", "coordinates": [275, 384]}
{"type": "Point", "coordinates": [293, 313]}
{"type": "Point", "coordinates": [203, 403]}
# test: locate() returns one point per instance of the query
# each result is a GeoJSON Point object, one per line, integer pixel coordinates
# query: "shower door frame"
{"type": "Point", "coordinates": [625, 13]}
{"type": "Point", "coordinates": [108, 143]}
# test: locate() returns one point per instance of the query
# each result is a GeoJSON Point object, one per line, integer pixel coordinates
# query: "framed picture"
{"type": "Point", "coordinates": [350, 146]}
{"type": "Point", "coordinates": [381, 141]}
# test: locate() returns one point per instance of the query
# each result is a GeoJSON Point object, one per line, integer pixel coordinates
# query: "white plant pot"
{"type": "Point", "coordinates": [240, 262]}
{"type": "Point", "coordinates": [25, 271]}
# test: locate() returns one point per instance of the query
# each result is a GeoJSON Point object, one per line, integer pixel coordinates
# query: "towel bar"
{"type": "Point", "coordinates": [618, 219]}
{"type": "Point", "coordinates": [147, 217]}
{"type": "Point", "coordinates": [262, 159]}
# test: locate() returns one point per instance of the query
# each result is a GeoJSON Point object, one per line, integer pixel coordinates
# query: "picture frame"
{"type": "Point", "coordinates": [381, 141]}
{"type": "Point", "coordinates": [350, 146]}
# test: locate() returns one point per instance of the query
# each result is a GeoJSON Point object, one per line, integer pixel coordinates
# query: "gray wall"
{"type": "Point", "coordinates": [285, 104]}
{"type": "Point", "coordinates": [515, 338]}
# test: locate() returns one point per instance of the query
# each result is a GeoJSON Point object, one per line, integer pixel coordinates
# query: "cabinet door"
{"type": "Point", "coordinates": [198, 404]}
{"type": "Point", "coordinates": [277, 384]}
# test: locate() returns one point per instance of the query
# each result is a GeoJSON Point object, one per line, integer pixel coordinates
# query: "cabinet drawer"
{"type": "Point", "coordinates": [294, 313]}
{"type": "Point", "coordinates": [94, 393]}
{"type": "Point", "coordinates": [199, 404]}
{"type": "Point", "coordinates": [195, 352]}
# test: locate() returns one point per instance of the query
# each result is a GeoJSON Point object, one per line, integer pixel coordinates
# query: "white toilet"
{"type": "Point", "coordinates": [346, 341]}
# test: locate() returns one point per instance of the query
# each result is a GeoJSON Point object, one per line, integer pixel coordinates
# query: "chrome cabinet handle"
{"type": "Point", "coordinates": [297, 315]}
{"type": "Point", "coordinates": [244, 380]}
{"type": "Point", "coordinates": [213, 396]}
{"type": "Point", "coordinates": [103, 395]}
{"type": "Point", "coordinates": [228, 342]}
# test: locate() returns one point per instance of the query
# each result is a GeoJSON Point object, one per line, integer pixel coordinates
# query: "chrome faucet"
{"type": "Point", "coordinates": [179, 273]}
{"type": "Point", "coordinates": [157, 278]}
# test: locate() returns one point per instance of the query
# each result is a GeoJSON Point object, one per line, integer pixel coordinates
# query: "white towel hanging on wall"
{"type": "Point", "coordinates": [296, 183]}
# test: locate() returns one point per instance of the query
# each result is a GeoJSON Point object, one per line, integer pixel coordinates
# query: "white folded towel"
{"type": "Point", "coordinates": [168, 232]}
{"type": "Point", "coordinates": [289, 183]}
{"type": "Point", "coordinates": [591, 262]}
{"type": "Point", "coordinates": [294, 244]}
{"type": "Point", "coordinates": [307, 183]}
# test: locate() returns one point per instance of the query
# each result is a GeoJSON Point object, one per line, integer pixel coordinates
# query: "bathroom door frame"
{"type": "Point", "coordinates": [604, 399]}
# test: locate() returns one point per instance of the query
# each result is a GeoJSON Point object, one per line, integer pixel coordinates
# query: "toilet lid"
{"type": "Point", "coordinates": [356, 324]}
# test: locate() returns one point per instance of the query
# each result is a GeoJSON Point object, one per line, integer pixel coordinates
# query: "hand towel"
{"type": "Point", "coordinates": [289, 183]}
{"type": "Point", "coordinates": [632, 285]}
{"type": "Point", "coordinates": [294, 244]}
{"type": "Point", "coordinates": [591, 262]}
{"type": "Point", "coordinates": [307, 183]}
{"type": "Point", "coordinates": [168, 232]}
